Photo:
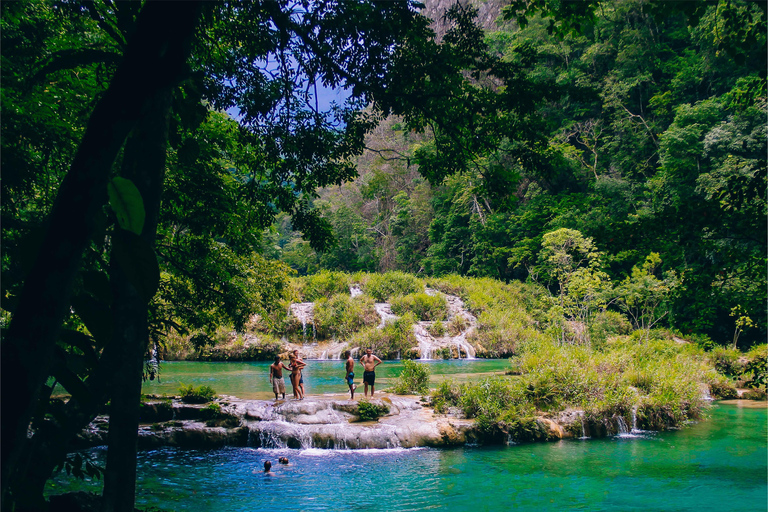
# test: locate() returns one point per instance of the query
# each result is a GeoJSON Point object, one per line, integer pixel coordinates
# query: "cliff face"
{"type": "Point", "coordinates": [489, 11]}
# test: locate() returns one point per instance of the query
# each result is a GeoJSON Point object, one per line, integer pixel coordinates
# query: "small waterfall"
{"type": "Point", "coordinates": [305, 438]}
{"type": "Point", "coordinates": [426, 342]}
{"type": "Point", "coordinates": [355, 290]}
{"type": "Point", "coordinates": [385, 312]}
{"type": "Point", "coordinates": [583, 427]}
{"type": "Point", "coordinates": [634, 419]}
{"type": "Point", "coordinates": [622, 426]}
{"type": "Point", "coordinates": [323, 356]}
{"type": "Point", "coordinates": [304, 312]}
{"type": "Point", "coordinates": [461, 343]}
{"type": "Point", "coordinates": [270, 439]}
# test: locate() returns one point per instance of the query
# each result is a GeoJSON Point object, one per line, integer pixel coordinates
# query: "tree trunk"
{"type": "Point", "coordinates": [155, 58]}
{"type": "Point", "coordinates": [144, 164]}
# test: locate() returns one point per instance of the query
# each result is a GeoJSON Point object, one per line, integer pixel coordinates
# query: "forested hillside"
{"type": "Point", "coordinates": [650, 147]}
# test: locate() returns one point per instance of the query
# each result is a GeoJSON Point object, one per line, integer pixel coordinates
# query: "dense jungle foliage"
{"type": "Point", "coordinates": [652, 144]}
{"type": "Point", "coordinates": [168, 166]}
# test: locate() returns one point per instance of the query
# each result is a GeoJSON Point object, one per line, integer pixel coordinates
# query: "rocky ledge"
{"type": "Point", "coordinates": [316, 422]}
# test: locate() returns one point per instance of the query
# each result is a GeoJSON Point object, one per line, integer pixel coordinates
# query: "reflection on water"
{"type": "Point", "coordinates": [251, 380]}
{"type": "Point", "coordinates": [713, 465]}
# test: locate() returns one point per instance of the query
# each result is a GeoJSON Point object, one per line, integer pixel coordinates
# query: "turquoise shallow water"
{"type": "Point", "coordinates": [250, 380]}
{"type": "Point", "coordinates": [713, 465]}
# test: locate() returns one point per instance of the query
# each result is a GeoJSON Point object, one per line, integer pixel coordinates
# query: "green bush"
{"type": "Point", "coordinates": [413, 380]}
{"type": "Point", "coordinates": [383, 287]}
{"type": "Point", "coordinates": [196, 395]}
{"type": "Point", "coordinates": [756, 369]}
{"type": "Point", "coordinates": [393, 340]}
{"type": "Point", "coordinates": [500, 333]}
{"type": "Point", "coordinates": [606, 324]}
{"type": "Point", "coordinates": [341, 316]}
{"type": "Point", "coordinates": [726, 361]}
{"type": "Point", "coordinates": [211, 411]}
{"type": "Point", "coordinates": [324, 284]}
{"type": "Point", "coordinates": [436, 329]}
{"type": "Point", "coordinates": [447, 394]}
{"type": "Point", "coordinates": [368, 411]}
{"type": "Point", "coordinates": [261, 348]}
{"type": "Point", "coordinates": [723, 391]}
{"type": "Point", "coordinates": [754, 394]}
{"type": "Point", "coordinates": [425, 307]}
{"type": "Point", "coordinates": [457, 325]}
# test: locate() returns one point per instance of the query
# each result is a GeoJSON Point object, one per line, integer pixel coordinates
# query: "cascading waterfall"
{"type": "Point", "coordinates": [461, 343]}
{"type": "Point", "coordinates": [385, 312]}
{"type": "Point", "coordinates": [428, 345]}
{"type": "Point", "coordinates": [304, 312]}
{"type": "Point", "coordinates": [425, 340]}
{"type": "Point", "coordinates": [634, 419]}
{"type": "Point", "coordinates": [622, 426]}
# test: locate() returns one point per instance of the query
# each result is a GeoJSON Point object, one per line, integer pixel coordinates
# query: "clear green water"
{"type": "Point", "coordinates": [714, 465]}
{"type": "Point", "coordinates": [250, 380]}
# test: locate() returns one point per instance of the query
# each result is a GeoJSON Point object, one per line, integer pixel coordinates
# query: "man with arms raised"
{"type": "Point", "coordinates": [369, 362]}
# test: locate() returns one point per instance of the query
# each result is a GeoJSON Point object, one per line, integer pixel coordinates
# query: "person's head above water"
{"type": "Point", "coordinates": [267, 466]}
{"type": "Point", "coordinates": [347, 353]}
{"type": "Point", "coordinates": [369, 351]}
{"type": "Point", "coordinates": [283, 460]}
{"type": "Point", "coordinates": [277, 359]}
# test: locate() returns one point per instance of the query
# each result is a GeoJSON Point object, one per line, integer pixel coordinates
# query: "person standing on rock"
{"type": "Point", "coordinates": [297, 379]}
{"type": "Point", "coordinates": [276, 376]}
{"type": "Point", "coordinates": [369, 362]}
{"type": "Point", "coordinates": [350, 366]}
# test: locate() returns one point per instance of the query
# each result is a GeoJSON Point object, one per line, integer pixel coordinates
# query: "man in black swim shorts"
{"type": "Point", "coordinates": [369, 362]}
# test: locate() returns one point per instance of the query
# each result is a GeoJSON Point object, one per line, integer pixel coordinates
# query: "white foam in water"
{"type": "Point", "coordinates": [320, 452]}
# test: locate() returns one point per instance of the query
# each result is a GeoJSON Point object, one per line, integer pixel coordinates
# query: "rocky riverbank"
{"type": "Point", "coordinates": [331, 421]}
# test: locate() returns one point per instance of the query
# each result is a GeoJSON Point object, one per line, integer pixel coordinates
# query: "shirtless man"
{"type": "Point", "coordinates": [276, 376]}
{"type": "Point", "coordinates": [350, 367]}
{"type": "Point", "coordinates": [369, 362]}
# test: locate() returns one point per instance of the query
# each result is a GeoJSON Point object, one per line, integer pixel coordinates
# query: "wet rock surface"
{"type": "Point", "coordinates": [315, 422]}
{"type": "Point", "coordinates": [333, 421]}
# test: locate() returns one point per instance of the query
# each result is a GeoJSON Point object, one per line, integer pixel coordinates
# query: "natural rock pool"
{"type": "Point", "coordinates": [713, 465]}
{"type": "Point", "coordinates": [251, 380]}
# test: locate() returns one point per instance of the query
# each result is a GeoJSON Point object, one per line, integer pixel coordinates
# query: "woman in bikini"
{"type": "Point", "coordinates": [300, 364]}
{"type": "Point", "coordinates": [295, 364]}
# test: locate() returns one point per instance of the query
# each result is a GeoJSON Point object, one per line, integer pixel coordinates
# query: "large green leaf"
{"type": "Point", "coordinates": [125, 200]}
{"type": "Point", "coordinates": [137, 259]}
